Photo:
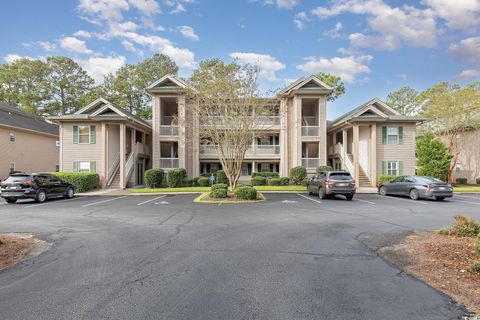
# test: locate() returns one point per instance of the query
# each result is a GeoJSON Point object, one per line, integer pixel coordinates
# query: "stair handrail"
{"type": "Point", "coordinates": [129, 166]}
{"type": "Point", "coordinates": [112, 170]}
{"type": "Point", "coordinates": [346, 160]}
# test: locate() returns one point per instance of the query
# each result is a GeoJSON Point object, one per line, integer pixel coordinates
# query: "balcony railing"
{"type": "Point", "coordinates": [168, 163]}
{"type": "Point", "coordinates": [310, 131]}
{"type": "Point", "coordinates": [310, 163]}
{"type": "Point", "coordinates": [209, 150]}
{"type": "Point", "coordinates": [168, 130]}
{"type": "Point", "coordinates": [267, 149]}
{"type": "Point", "coordinates": [334, 149]}
{"type": "Point", "coordinates": [269, 120]}
{"type": "Point", "coordinates": [310, 121]}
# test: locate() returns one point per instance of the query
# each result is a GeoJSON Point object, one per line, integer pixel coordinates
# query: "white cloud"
{"type": "Point", "coordinates": [300, 20]}
{"type": "Point", "coordinates": [98, 67]}
{"type": "Point", "coordinates": [130, 47]}
{"type": "Point", "coordinates": [188, 32]}
{"type": "Point", "coordinates": [9, 58]}
{"type": "Point", "coordinates": [104, 9]}
{"type": "Point", "coordinates": [45, 45]}
{"type": "Point", "coordinates": [379, 42]}
{"type": "Point", "coordinates": [82, 34]}
{"type": "Point", "coordinates": [467, 49]}
{"type": "Point", "coordinates": [458, 14]}
{"type": "Point", "coordinates": [267, 64]}
{"type": "Point", "coordinates": [347, 68]}
{"type": "Point", "coordinates": [468, 74]}
{"type": "Point", "coordinates": [282, 4]}
{"type": "Point", "coordinates": [179, 9]}
{"type": "Point", "coordinates": [147, 7]}
{"type": "Point", "coordinates": [335, 32]}
{"type": "Point", "coordinates": [74, 45]}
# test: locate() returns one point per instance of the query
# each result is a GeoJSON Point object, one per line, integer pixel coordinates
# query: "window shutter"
{"type": "Point", "coordinates": [75, 134]}
{"type": "Point", "coordinates": [259, 141]}
{"type": "Point", "coordinates": [384, 167]}
{"type": "Point", "coordinates": [400, 167]}
{"type": "Point", "coordinates": [75, 166]}
{"type": "Point", "coordinates": [384, 135]}
{"type": "Point", "coordinates": [271, 140]}
{"type": "Point", "coordinates": [400, 135]}
{"type": "Point", "coordinates": [93, 134]}
{"type": "Point", "coordinates": [93, 166]}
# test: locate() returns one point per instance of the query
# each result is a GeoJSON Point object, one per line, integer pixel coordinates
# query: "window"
{"type": "Point", "coordinates": [392, 168]}
{"type": "Point", "coordinates": [83, 134]}
{"type": "Point", "coordinates": [84, 166]}
{"type": "Point", "coordinates": [392, 135]}
{"type": "Point", "coordinates": [138, 136]}
{"type": "Point", "coordinates": [12, 136]}
{"type": "Point", "coordinates": [57, 168]}
{"type": "Point", "coordinates": [11, 167]}
{"type": "Point", "coordinates": [458, 167]}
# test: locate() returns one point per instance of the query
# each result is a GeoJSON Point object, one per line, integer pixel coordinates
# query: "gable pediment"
{"type": "Point", "coordinates": [168, 82]}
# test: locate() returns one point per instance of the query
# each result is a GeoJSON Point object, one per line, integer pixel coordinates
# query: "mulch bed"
{"type": "Point", "coordinates": [14, 248]}
{"type": "Point", "coordinates": [444, 262]}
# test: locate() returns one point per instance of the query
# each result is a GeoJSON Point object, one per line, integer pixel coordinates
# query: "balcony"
{"type": "Point", "coordinates": [168, 163]}
{"type": "Point", "coordinates": [269, 120]}
{"type": "Point", "coordinates": [266, 150]}
{"type": "Point", "coordinates": [208, 150]}
{"type": "Point", "coordinates": [168, 130]}
{"type": "Point", "coordinates": [332, 150]}
{"type": "Point", "coordinates": [253, 150]}
{"type": "Point", "coordinates": [310, 163]}
{"type": "Point", "coordinates": [310, 131]}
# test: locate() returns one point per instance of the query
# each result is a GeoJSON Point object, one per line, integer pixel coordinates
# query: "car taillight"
{"type": "Point", "coordinates": [353, 181]}
{"type": "Point", "coordinates": [428, 186]}
{"type": "Point", "coordinates": [328, 181]}
{"type": "Point", "coordinates": [29, 182]}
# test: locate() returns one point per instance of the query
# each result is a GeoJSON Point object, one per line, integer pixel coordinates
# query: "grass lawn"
{"type": "Point", "coordinates": [206, 189]}
{"type": "Point", "coordinates": [467, 188]}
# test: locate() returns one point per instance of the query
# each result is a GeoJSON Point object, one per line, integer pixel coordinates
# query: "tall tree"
{"type": "Point", "coordinates": [404, 100]}
{"type": "Point", "coordinates": [333, 81]}
{"type": "Point", "coordinates": [433, 157]}
{"type": "Point", "coordinates": [66, 83]}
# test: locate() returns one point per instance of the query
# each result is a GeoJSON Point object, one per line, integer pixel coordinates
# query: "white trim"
{"type": "Point", "coordinates": [172, 78]}
{"type": "Point", "coordinates": [372, 108]}
{"type": "Point", "coordinates": [93, 104]}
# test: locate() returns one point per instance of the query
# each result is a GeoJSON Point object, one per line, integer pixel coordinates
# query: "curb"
{"type": "Point", "coordinates": [199, 199]}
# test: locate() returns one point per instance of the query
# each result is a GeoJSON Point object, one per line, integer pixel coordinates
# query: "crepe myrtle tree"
{"type": "Point", "coordinates": [229, 111]}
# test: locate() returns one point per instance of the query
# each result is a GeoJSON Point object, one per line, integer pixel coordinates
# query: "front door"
{"type": "Point", "coordinates": [140, 173]}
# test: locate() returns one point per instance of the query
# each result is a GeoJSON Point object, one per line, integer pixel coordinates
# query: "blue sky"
{"type": "Point", "coordinates": [376, 46]}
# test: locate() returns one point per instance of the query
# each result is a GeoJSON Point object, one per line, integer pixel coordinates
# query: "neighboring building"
{"type": "Point", "coordinates": [105, 139]}
{"type": "Point", "coordinates": [27, 142]}
{"type": "Point", "coordinates": [468, 162]}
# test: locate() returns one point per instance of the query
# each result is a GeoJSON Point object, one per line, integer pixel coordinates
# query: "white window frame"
{"type": "Point", "coordinates": [458, 167]}
{"type": "Point", "coordinates": [80, 135]}
{"type": "Point", "coordinates": [392, 132]}
{"type": "Point", "coordinates": [393, 168]}
{"type": "Point", "coordinates": [84, 169]}
{"type": "Point", "coordinates": [11, 167]}
{"type": "Point", "coordinates": [13, 137]}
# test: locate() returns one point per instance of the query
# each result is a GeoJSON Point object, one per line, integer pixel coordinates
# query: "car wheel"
{"type": "Point", "coordinates": [10, 200]}
{"type": "Point", "coordinates": [321, 194]}
{"type": "Point", "coordinates": [439, 198]}
{"type": "Point", "coordinates": [41, 196]}
{"type": "Point", "coordinates": [414, 194]}
{"type": "Point", "coordinates": [70, 193]}
{"type": "Point", "coordinates": [382, 191]}
{"type": "Point", "coordinates": [349, 196]}
{"type": "Point", "coordinates": [309, 191]}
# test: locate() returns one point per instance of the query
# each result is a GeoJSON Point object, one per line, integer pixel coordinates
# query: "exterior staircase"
{"type": "Point", "coordinates": [115, 182]}
{"type": "Point", "coordinates": [364, 181]}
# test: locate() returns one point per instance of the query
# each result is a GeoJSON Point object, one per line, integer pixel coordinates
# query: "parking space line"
{"type": "Point", "coordinates": [49, 202]}
{"type": "Point", "coordinates": [103, 201]}
{"type": "Point", "coordinates": [411, 201]}
{"type": "Point", "coordinates": [145, 202]}
{"type": "Point", "coordinates": [462, 201]}
{"type": "Point", "coordinates": [470, 197]}
{"type": "Point", "coordinates": [306, 197]}
{"type": "Point", "coordinates": [366, 201]}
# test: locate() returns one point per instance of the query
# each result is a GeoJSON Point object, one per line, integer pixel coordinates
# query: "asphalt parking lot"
{"type": "Point", "coordinates": [165, 257]}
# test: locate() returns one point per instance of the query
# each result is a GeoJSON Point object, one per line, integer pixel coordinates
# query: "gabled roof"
{"type": "Point", "coordinates": [16, 118]}
{"type": "Point", "coordinates": [168, 82]}
{"type": "Point", "coordinates": [305, 85]}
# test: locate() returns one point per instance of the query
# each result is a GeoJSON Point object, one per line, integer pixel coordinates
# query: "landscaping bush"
{"type": "Point", "coordinates": [477, 244]}
{"type": "Point", "coordinates": [323, 168]}
{"type": "Point", "coordinates": [83, 181]}
{"type": "Point", "coordinates": [258, 181]}
{"type": "Point", "coordinates": [385, 178]}
{"type": "Point", "coordinates": [189, 182]}
{"type": "Point", "coordinates": [221, 177]}
{"type": "Point", "coordinates": [285, 181]}
{"type": "Point", "coordinates": [465, 227]}
{"type": "Point", "coordinates": [195, 181]}
{"type": "Point", "coordinates": [304, 182]}
{"type": "Point", "coordinates": [266, 174]}
{"type": "Point", "coordinates": [477, 180]}
{"type": "Point", "coordinates": [476, 266]}
{"type": "Point", "coordinates": [298, 174]}
{"type": "Point", "coordinates": [274, 182]}
{"type": "Point", "coordinates": [219, 186]}
{"type": "Point", "coordinates": [203, 182]}
{"type": "Point", "coordinates": [154, 177]}
{"type": "Point", "coordinates": [175, 177]}
{"type": "Point", "coordinates": [461, 180]}
{"type": "Point", "coordinates": [218, 193]}
{"type": "Point", "coordinates": [246, 193]}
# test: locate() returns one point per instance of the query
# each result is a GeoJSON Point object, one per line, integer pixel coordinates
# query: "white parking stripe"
{"type": "Point", "coordinates": [103, 201]}
{"type": "Point", "coordinates": [470, 197]}
{"type": "Point", "coordinates": [48, 202]}
{"type": "Point", "coordinates": [144, 202]}
{"type": "Point", "coordinates": [361, 200]}
{"type": "Point", "coordinates": [469, 202]}
{"type": "Point", "coordinates": [306, 197]}
{"type": "Point", "coordinates": [409, 200]}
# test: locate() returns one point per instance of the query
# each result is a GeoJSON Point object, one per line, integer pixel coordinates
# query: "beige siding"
{"type": "Point", "coordinates": [31, 152]}
{"type": "Point", "coordinates": [397, 152]}
{"type": "Point", "coordinates": [469, 157]}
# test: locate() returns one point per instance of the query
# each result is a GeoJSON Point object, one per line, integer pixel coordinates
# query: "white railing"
{"type": "Point", "coordinates": [334, 149]}
{"type": "Point", "coordinates": [310, 131]}
{"type": "Point", "coordinates": [166, 120]}
{"type": "Point", "coordinates": [346, 159]}
{"type": "Point", "coordinates": [208, 150]}
{"type": "Point", "coordinates": [269, 120]}
{"type": "Point", "coordinates": [129, 164]}
{"type": "Point", "coordinates": [168, 163]}
{"type": "Point", "coordinates": [112, 170]}
{"type": "Point", "coordinates": [309, 121]}
{"type": "Point", "coordinates": [267, 149]}
{"type": "Point", "coordinates": [168, 130]}
{"type": "Point", "coordinates": [310, 163]}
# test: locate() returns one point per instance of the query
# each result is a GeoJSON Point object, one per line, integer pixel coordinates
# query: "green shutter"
{"type": "Point", "coordinates": [93, 166]}
{"type": "Point", "coordinates": [400, 168]}
{"type": "Point", "coordinates": [93, 134]}
{"type": "Point", "coordinates": [271, 140]}
{"type": "Point", "coordinates": [384, 135]}
{"type": "Point", "coordinates": [400, 135]}
{"type": "Point", "coordinates": [75, 134]}
{"type": "Point", "coordinates": [384, 167]}
{"type": "Point", "coordinates": [75, 166]}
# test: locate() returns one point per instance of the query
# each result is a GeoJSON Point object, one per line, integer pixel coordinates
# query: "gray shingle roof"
{"type": "Point", "coordinates": [14, 117]}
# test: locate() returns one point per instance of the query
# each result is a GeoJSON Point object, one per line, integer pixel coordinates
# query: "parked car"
{"type": "Point", "coordinates": [417, 187]}
{"type": "Point", "coordinates": [37, 186]}
{"type": "Point", "coordinates": [331, 183]}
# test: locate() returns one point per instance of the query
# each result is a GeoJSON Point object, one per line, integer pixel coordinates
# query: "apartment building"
{"type": "Point", "coordinates": [468, 162]}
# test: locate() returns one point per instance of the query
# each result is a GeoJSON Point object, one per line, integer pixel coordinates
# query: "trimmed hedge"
{"type": "Point", "coordinates": [218, 193]}
{"type": "Point", "coordinates": [258, 181]}
{"type": "Point", "coordinates": [217, 186]}
{"type": "Point", "coordinates": [83, 181]}
{"type": "Point", "coordinates": [189, 182]}
{"type": "Point", "coordinates": [323, 168]}
{"type": "Point", "coordinates": [221, 177]}
{"type": "Point", "coordinates": [175, 177]}
{"type": "Point", "coordinates": [275, 182]}
{"type": "Point", "coordinates": [154, 177]}
{"type": "Point", "coordinates": [385, 178]}
{"type": "Point", "coordinates": [246, 193]}
{"type": "Point", "coordinates": [285, 181]}
{"type": "Point", "coordinates": [298, 174]}
{"type": "Point", "coordinates": [266, 174]}
{"type": "Point", "coordinates": [203, 182]}
{"type": "Point", "coordinates": [477, 180]}
{"type": "Point", "coordinates": [461, 180]}
{"type": "Point", "coordinates": [305, 182]}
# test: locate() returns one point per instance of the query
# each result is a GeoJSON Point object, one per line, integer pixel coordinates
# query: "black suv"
{"type": "Point", "coordinates": [38, 186]}
{"type": "Point", "coordinates": [330, 183]}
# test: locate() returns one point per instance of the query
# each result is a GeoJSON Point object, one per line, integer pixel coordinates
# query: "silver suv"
{"type": "Point", "coordinates": [330, 183]}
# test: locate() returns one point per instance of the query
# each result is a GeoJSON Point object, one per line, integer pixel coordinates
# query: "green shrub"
{"type": "Point", "coordinates": [175, 177]}
{"type": "Point", "coordinates": [217, 186]}
{"type": "Point", "coordinates": [218, 193]}
{"type": "Point", "coordinates": [221, 177]}
{"type": "Point", "coordinates": [154, 177]}
{"type": "Point", "coordinates": [461, 180]}
{"type": "Point", "coordinates": [298, 174]}
{"type": "Point", "coordinates": [465, 227]}
{"type": "Point", "coordinates": [444, 232]}
{"type": "Point", "coordinates": [304, 182]}
{"type": "Point", "coordinates": [385, 178]}
{"type": "Point", "coordinates": [477, 180]}
{"type": "Point", "coordinates": [476, 266]}
{"type": "Point", "coordinates": [246, 193]}
{"type": "Point", "coordinates": [203, 182]}
{"type": "Point", "coordinates": [266, 174]}
{"type": "Point", "coordinates": [285, 181]}
{"type": "Point", "coordinates": [274, 182]}
{"type": "Point", "coordinates": [258, 181]}
{"type": "Point", "coordinates": [195, 181]}
{"type": "Point", "coordinates": [323, 168]}
{"type": "Point", "coordinates": [477, 244]}
{"type": "Point", "coordinates": [83, 181]}
{"type": "Point", "coordinates": [189, 182]}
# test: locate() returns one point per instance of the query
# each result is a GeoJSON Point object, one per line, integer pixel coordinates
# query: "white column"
{"type": "Point", "coordinates": [373, 154]}
{"type": "Point", "coordinates": [345, 151]}
{"type": "Point", "coordinates": [181, 133]}
{"type": "Point", "coordinates": [122, 155]}
{"type": "Point", "coordinates": [297, 139]}
{"type": "Point", "coordinates": [104, 142]}
{"type": "Point", "coordinates": [356, 152]}
{"type": "Point", "coordinates": [156, 132]}
{"type": "Point", "coordinates": [283, 138]}
{"type": "Point", "coordinates": [322, 122]}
